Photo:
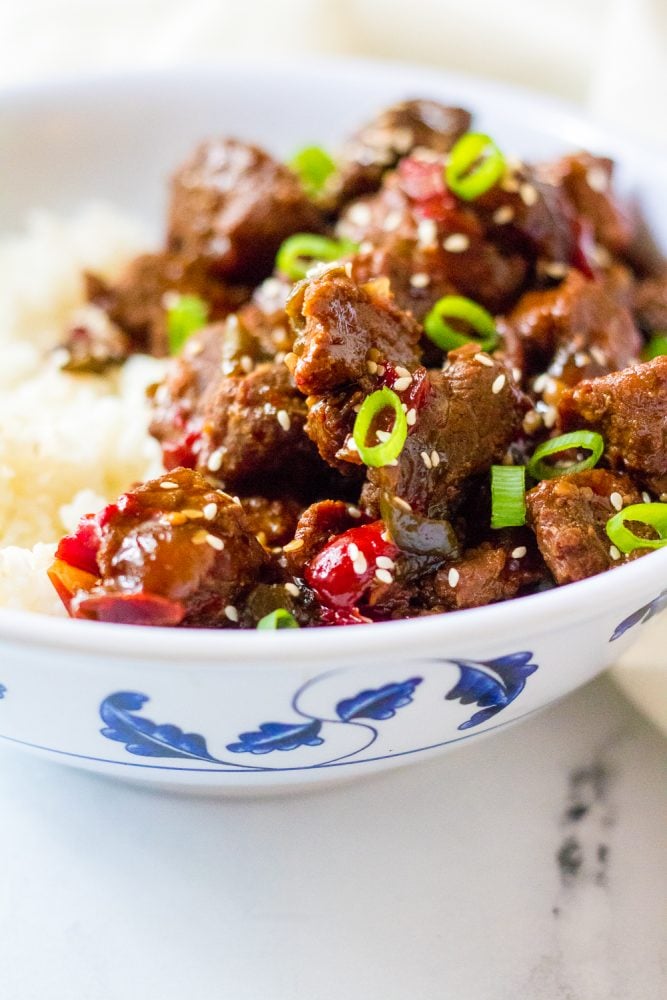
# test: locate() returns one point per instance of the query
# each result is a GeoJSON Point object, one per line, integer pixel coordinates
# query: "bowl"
{"type": "Point", "coordinates": [210, 711]}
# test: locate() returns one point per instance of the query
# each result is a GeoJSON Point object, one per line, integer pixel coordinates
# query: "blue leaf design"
{"type": "Point", "coordinates": [491, 684]}
{"type": "Point", "coordinates": [379, 704]}
{"type": "Point", "coordinates": [279, 736]}
{"type": "Point", "coordinates": [642, 614]}
{"type": "Point", "coordinates": [3, 691]}
{"type": "Point", "coordinates": [143, 737]}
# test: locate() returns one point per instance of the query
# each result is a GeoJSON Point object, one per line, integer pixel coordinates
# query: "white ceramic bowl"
{"type": "Point", "coordinates": [230, 711]}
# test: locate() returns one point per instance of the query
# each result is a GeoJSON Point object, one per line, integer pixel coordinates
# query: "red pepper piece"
{"type": "Point", "coordinates": [68, 580]}
{"type": "Point", "coordinates": [417, 393]}
{"type": "Point", "coordinates": [80, 548]}
{"type": "Point", "coordinates": [424, 184]}
{"type": "Point", "coordinates": [184, 452]}
{"type": "Point", "coordinates": [129, 609]}
{"type": "Point", "coordinates": [341, 573]}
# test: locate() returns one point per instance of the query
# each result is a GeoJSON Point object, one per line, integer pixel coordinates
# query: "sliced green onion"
{"type": "Point", "coordinates": [458, 307]}
{"type": "Point", "coordinates": [655, 347]}
{"type": "Point", "coordinates": [314, 167]}
{"type": "Point", "coordinates": [188, 314]}
{"type": "Point", "coordinates": [587, 440]}
{"type": "Point", "coordinates": [475, 164]}
{"type": "Point", "coordinates": [653, 514]}
{"type": "Point", "coordinates": [371, 408]}
{"type": "Point", "coordinates": [280, 618]}
{"type": "Point", "coordinates": [299, 252]}
{"type": "Point", "coordinates": [508, 496]}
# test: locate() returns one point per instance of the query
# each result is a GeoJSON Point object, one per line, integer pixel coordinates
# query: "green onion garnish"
{"type": "Point", "coordinates": [475, 164]}
{"type": "Point", "coordinates": [299, 252]}
{"type": "Point", "coordinates": [655, 347]}
{"type": "Point", "coordinates": [508, 496]}
{"type": "Point", "coordinates": [653, 514]}
{"type": "Point", "coordinates": [188, 314]}
{"type": "Point", "coordinates": [280, 618]}
{"type": "Point", "coordinates": [458, 307]}
{"type": "Point", "coordinates": [371, 408]}
{"type": "Point", "coordinates": [588, 440]}
{"type": "Point", "coordinates": [314, 166]}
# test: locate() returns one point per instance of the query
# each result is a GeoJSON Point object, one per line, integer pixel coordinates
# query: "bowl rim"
{"type": "Point", "coordinates": [571, 603]}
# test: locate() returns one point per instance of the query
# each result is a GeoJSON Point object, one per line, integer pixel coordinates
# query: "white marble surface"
{"type": "Point", "coordinates": [439, 880]}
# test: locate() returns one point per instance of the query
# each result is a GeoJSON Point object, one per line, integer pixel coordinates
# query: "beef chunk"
{"type": "Point", "coordinates": [465, 423]}
{"type": "Point", "coordinates": [337, 322]}
{"type": "Point", "coordinates": [329, 426]}
{"type": "Point", "coordinates": [93, 342]}
{"type": "Point", "coordinates": [580, 328]}
{"type": "Point", "coordinates": [173, 551]}
{"type": "Point", "coordinates": [493, 571]}
{"type": "Point", "coordinates": [569, 514]}
{"type": "Point", "coordinates": [629, 409]}
{"type": "Point", "coordinates": [272, 521]}
{"type": "Point", "coordinates": [318, 524]}
{"type": "Point", "coordinates": [233, 205]}
{"type": "Point", "coordinates": [650, 304]}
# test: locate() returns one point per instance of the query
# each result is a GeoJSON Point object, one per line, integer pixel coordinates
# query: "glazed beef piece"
{"type": "Point", "coordinates": [568, 515]}
{"type": "Point", "coordinates": [579, 329]}
{"type": "Point", "coordinates": [629, 409]}
{"type": "Point", "coordinates": [232, 205]}
{"type": "Point", "coordinates": [174, 551]}
{"type": "Point", "coordinates": [338, 323]}
{"type": "Point", "coordinates": [317, 525]}
{"type": "Point", "coordinates": [93, 342]}
{"type": "Point", "coordinates": [395, 132]}
{"type": "Point", "coordinates": [272, 521]}
{"type": "Point", "coordinates": [649, 304]}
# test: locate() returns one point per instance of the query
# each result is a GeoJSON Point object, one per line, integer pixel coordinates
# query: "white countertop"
{"type": "Point", "coordinates": [529, 866]}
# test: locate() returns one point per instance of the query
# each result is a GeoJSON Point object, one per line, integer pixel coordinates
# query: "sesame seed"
{"type": "Point", "coordinates": [359, 565]}
{"type": "Point", "coordinates": [555, 269]}
{"type": "Point", "coordinates": [200, 537]}
{"type": "Point", "coordinates": [215, 542]}
{"type": "Point", "coordinates": [237, 501]}
{"type": "Point", "coordinates": [214, 463]}
{"type": "Point", "coordinates": [167, 484]}
{"type": "Point", "coordinates": [359, 214]}
{"type": "Point", "coordinates": [528, 194]}
{"type": "Point", "coordinates": [598, 356]}
{"type": "Point", "coordinates": [402, 504]}
{"type": "Point", "coordinates": [351, 444]}
{"type": "Point", "coordinates": [353, 550]}
{"type": "Point", "coordinates": [411, 417]}
{"type": "Point", "coordinates": [348, 268]}
{"type": "Point", "coordinates": [210, 510]}
{"type": "Point", "coordinates": [384, 562]}
{"type": "Point", "coordinates": [402, 372]}
{"type": "Point", "coordinates": [616, 500]}
{"type": "Point", "coordinates": [540, 383]}
{"type": "Point", "coordinates": [581, 359]}
{"type": "Point", "coordinates": [246, 363]}
{"type": "Point", "coordinates": [371, 367]}
{"type": "Point", "coordinates": [614, 553]}
{"type": "Point", "coordinates": [353, 511]}
{"type": "Point", "coordinates": [381, 370]}
{"type": "Point", "coordinates": [177, 517]}
{"type": "Point", "coordinates": [600, 256]}
{"type": "Point", "coordinates": [646, 497]}
{"type": "Point", "coordinates": [426, 459]}
{"type": "Point", "coordinates": [292, 589]}
{"type": "Point", "coordinates": [532, 422]}
{"type": "Point", "coordinates": [427, 232]}
{"type": "Point", "coordinates": [404, 407]}
{"type": "Point", "coordinates": [456, 243]}
{"type": "Point", "coordinates": [294, 545]}
{"type": "Point", "coordinates": [483, 359]}
{"type": "Point", "coordinates": [509, 184]}
{"type": "Point", "coordinates": [231, 613]}
{"type": "Point", "coordinates": [498, 383]}
{"type": "Point", "coordinates": [435, 459]}
{"type": "Point", "coordinates": [597, 179]}
{"type": "Point", "coordinates": [549, 416]}
{"type": "Point", "coordinates": [384, 576]}
{"type": "Point", "coordinates": [402, 383]}
{"type": "Point", "coordinates": [365, 246]}
{"type": "Point", "coordinates": [191, 514]}
{"type": "Point", "coordinates": [193, 348]}
{"type": "Point", "coordinates": [453, 577]}
{"type": "Point", "coordinates": [519, 552]}
{"type": "Point", "coordinates": [503, 215]}
{"type": "Point", "coordinates": [420, 280]}
{"type": "Point", "coordinates": [282, 416]}
{"type": "Point", "coordinates": [383, 436]}
{"type": "Point", "coordinates": [392, 221]}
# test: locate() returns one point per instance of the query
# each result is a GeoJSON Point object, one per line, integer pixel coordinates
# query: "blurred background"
{"type": "Point", "coordinates": [607, 55]}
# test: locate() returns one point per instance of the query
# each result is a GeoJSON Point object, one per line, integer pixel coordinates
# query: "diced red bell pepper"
{"type": "Point", "coordinates": [81, 547]}
{"type": "Point", "coordinates": [130, 609]}
{"type": "Point", "coordinates": [341, 573]}
{"type": "Point", "coordinates": [424, 184]}
{"type": "Point", "coordinates": [417, 393]}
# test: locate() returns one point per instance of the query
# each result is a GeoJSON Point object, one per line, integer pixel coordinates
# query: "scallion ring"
{"type": "Point", "coordinates": [280, 618]}
{"type": "Point", "coordinates": [299, 252]}
{"type": "Point", "coordinates": [459, 307]}
{"type": "Point", "coordinates": [508, 496]}
{"type": "Point", "coordinates": [386, 451]}
{"type": "Point", "coordinates": [655, 347]}
{"type": "Point", "coordinates": [653, 514]}
{"type": "Point", "coordinates": [586, 440]}
{"type": "Point", "coordinates": [475, 164]}
{"type": "Point", "coordinates": [185, 316]}
{"type": "Point", "coordinates": [314, 166]}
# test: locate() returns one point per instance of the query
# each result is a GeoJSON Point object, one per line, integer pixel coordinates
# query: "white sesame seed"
{"type": "Point", "coordinates": [354, 511]}
{"type": "Point", "coordinates": [237, 501]}
{"type": "Point", "coordinates": [598, 356]}
{"type": "Point", "coordinates": [381, 370]}
{"type": "Point", "coordinates": [246, 363]}
{"type": "Point", "coordinates": [498, 383]}
{"type": "Point", "coordinates": [503, 215]}
{"type": "Point", "coordinates": [348, 268]}
{"type": "Point", "coordinates": [509, 184]}
{"type": "Point", "coordinates": [215, 542]}
{"type": "Point", "coordinates": [483, 359]}
{"type": "Point", "coordinates": [404, 407]}
{"type": "Point", "coordinates": [532, 422]}
{"type": "Point", "coordinates": [353, 550]}
{"type": "Point", "coordinates": [231, 613]}
{"type": "Point", "coordinates": [283, 418]}
{"type": "Point", "coordinates": [384, 562]}
{"type": "Point", "coordinates": [435, 459]}
{"type": "Point", "coordinates": [646, 497]}
{"type": "Point", "coordinates": [392, 221]}
{"type": "Point", "coordinates": [549, 416]}
{"type": "Point", "coordinates": [581, 359]}
{"type": "Point", "coordinates": [528, 194]}
{"type": "Point", "coordinates": [453, 577]}
{"type": "Point", "coordinates": [167, 484]}
{"type": "Point", "coordinates": [540, 383]}
{"type": "Point", "coordinates": [210, 510]}
{"type": "Point", "coordinates": [597, 179]}
{"type": "Point", "coordinates": [517, 374]}
{"type": "Point", "coordinates": [402, 383]}
{"type": "Point", "coordinates": [426, 459]}
{"type": "Point", "coordinates": [214, 463]}
{"type": "Point", "coordinates": [384, 576]}
{"type": "Point", "coordinates": [600, 256]}
{"type": "Point", "coordinates": [616, 500]}
{"type": "Point", "coordinates": [351, 444]}
{"type": "Point", "coordinates": [190, 514]}
{"type": "Point", "coordinates": [383, 436]}
{"type": "Point", "coordinates": [614, 553]}
{"type": "Point", "coordinates": [359, 565]}
{"type": "Point", "coordinates": [555, 269]}
{"type": "Point", "coordinates": [365, 246]}
{"type": "Point", "coordinates": [402, 372]}
{"type": "Point", "coordinates": [456, 243]}
{"type": "Point", "coordinates": [411, 417]}
{"type": "Point", "coordinates": [427, 232]}
{"type": "Point", "coordinates": [371, 367]}
{"type": "Point", "coordinates": [519, 552]}
{"type": "Point", "coordinates": [359, 214]}
{"type": "Point", "coordinates": [292, 589]}
{"type": "Point", "coordinates": [420, 280]}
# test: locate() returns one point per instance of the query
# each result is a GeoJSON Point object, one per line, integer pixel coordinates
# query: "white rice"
{"type": "Point", "coordinates": [68, 443]}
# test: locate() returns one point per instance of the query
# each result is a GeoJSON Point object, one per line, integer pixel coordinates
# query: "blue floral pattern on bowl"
{"type": "Point", "coordinates": [641, 615]}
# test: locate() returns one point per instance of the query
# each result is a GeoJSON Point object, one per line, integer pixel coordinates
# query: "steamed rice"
{"type": "Point", "coordinates": [68, 443]}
